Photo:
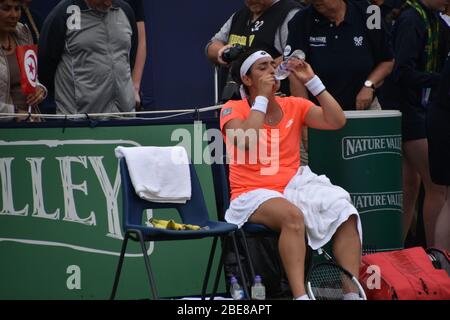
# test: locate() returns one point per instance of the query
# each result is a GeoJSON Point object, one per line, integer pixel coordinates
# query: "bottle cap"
{"type": "Point", "coordinates": [299, 54]}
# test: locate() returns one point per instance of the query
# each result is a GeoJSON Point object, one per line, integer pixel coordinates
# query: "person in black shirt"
{"type": "Point", "coordinates": [141, 54]}
{"type": "Point", "coordinates": [416, 75]}
{"type": "Point", "coordinates": [351, 59]}
{"type": "Point", "coordinates": [438, 130]}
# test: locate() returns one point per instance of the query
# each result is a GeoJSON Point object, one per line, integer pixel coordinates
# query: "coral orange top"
{"type": "Point", "coordinates": [275, 159]}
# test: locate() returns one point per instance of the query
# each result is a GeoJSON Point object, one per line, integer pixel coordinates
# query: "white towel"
{"type": "Point", "coordinates": [324, 205]}
{"type": "Point", "coordinates": [158, 174]}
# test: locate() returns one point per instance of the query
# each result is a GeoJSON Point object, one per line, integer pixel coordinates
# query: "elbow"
{"type": "Point", "coordinates": [390, 67]}
{"type": "Point", "coordinates": [340, 123]}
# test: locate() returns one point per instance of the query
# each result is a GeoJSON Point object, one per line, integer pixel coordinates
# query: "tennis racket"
{"type": "Point", "coordinates": [329, 281]}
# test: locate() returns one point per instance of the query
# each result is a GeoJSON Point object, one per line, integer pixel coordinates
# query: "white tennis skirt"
{"type": "Point", "coordinates": [324, 206]}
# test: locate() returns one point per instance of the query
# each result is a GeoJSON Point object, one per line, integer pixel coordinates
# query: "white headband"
{"type": "Point", "coordinates": [247, 64]}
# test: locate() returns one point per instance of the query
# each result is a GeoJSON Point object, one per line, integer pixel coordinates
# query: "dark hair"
{"type": "Point", "coordinates": [21, 2]}
{"type": "Point", "coordinates": [236, 64]}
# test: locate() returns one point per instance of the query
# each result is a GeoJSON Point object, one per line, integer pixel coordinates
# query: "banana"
{"type": "Point", "coordinates": [172, 225]}
{"type": "Point", "coordinates": [192, 227]}
{"type": "Point", "coordinates": [159, 223]}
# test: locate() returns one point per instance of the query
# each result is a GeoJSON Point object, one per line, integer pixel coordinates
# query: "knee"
{"type": "Point", "coordinates": [350, 227]}
{"type": "Point", "coordinates": [294, 220]}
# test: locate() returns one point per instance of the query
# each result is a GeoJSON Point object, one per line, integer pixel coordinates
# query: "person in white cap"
{"type": "Point", "coordinates": [269, 186]}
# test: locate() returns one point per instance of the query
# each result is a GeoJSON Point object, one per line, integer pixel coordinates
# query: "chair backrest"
{"type": "Point", "coordinates": [221, 186]}
{"type": "Point", "coordinates": [193, 212]}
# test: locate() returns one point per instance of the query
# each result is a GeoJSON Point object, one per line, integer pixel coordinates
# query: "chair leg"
{"type": "Point", "coordinates": [151, 278]}
{"type": "Point", "coordinates": [119, 267]}
{"type": "Point", "coordinates": [218, 273]}
{"type": "Point", "coordinates": [247, 254]}
{"type": "Point", "coordinates": [208, 268]}
{"type": "Point", "coordinates": [241, 271]}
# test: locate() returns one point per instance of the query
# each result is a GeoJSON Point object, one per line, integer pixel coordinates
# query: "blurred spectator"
{"type": "Point", "coordinates": [445, 15]}
{"type": "Point", "coordinates": [262, 24]}
{"type": "Point", "coordinates": [141, 55]}
{"type": "Point", "coordinates": [12, 34]}
{"type": "Point", "coordinates": [416, 74]}
{"type": "Point", "coordinates": [438, 131]}
{"type": "Point", "coordinates": [87, 50]}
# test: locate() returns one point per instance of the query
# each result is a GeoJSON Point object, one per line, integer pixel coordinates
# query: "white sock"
{"type": "Point", "coordinates": [303, 297]}
{"type": "Point", "coordinates": [351, 296]}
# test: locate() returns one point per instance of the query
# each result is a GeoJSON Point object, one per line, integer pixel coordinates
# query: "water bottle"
{"type": "Point", "coordinates": [258, 289]}
{"type": "Point", "coordinates": [237, 292]}
{"type": "Point", "coordinates": [282, 71]}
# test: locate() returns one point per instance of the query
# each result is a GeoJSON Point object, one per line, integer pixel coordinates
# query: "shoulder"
{"type": "Point", "coordinates": [238, 105]}
{"type": "Point", "coordinates": [233, 109]}
{"type": "Point", "coordinates": [243, 12]}
{"type": "Point", "coordinates": [23, 34]}
{"type": "Point", "coordinates": [294, 102]}
{"type": "Point", "coordinates": [409, 15]}
{"type": "Point", "coordinates": [302, 15]}
{"type": "Point", "coordinates": [62, 10]}
{"type": "Point", "coordinates": [126, 7]}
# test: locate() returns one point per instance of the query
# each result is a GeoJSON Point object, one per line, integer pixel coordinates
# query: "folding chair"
{"type": "Point", "coordinates": [193, 212]}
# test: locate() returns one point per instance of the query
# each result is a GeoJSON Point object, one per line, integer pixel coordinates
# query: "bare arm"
{"type": "Point", "coordinates": [377, 76]}
{"type": "Point", "coordinates": [255, 121]}
{"type": "Point", "coordinates": [329, 116]}
{"type": "Point", "coordinates": [297, 88]}
{"type": "Point", "coordinates": [215, 50]}
{"type": "Point", "coordinates": [380, 73]}
{"type": "Point", "coordinates": [141, 56]}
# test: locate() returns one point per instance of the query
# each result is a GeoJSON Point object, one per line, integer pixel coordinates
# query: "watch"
{"type": "Point", "coordinates": [369, 84]}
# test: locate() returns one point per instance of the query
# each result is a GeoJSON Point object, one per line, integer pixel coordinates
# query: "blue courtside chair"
{"type": "Point", "coordinates": [193, 212]}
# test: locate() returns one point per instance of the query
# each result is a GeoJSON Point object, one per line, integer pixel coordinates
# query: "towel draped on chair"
{"type": "Point", "coordinates": [158, 174]}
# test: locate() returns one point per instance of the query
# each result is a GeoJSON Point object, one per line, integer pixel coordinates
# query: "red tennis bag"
{"type": "Point", "coordinates": [404, 275]}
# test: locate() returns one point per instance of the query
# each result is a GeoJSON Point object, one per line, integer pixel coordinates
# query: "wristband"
{"type": "Point", "coordinates": [260, 104]}
{"type": "Point", "coordinates": [315, 86]}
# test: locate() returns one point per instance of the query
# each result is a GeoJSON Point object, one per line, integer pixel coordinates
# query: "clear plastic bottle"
{"type": "Point", "coordinates": [237, 292]}
{"type": "Point", "coordinates": [258, 289]}
{"type": "Point", "coordinates": [282, 72]}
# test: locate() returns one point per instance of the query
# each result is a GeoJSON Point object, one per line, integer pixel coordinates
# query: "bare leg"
{"type": "Point", "coordinates": [281, 215]}
{"type": "Point", "coordinates": [442, 232]}
{"type": "Point", "coordinates": [347, 246]}
{"type": "Point", "coordinates": [416, 152]}
{"type": "Point", "coordinates": [411, 187]}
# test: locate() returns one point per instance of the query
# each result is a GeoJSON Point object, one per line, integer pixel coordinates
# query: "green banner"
{"type": "Point", "coordinates": [365, 158]}
{"type": "Point", "coordinates": [60, 218]}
